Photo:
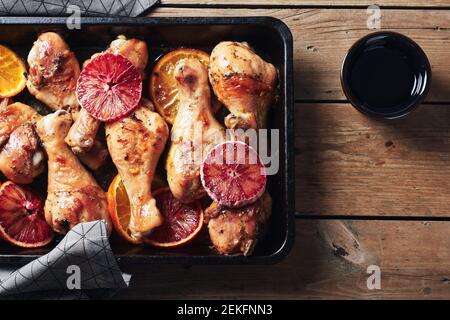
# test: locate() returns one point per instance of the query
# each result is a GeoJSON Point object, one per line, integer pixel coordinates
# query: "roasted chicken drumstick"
{"type": "Point", "coordinates": [243, 82]}
{"type": "Point", "coordinates": [81, 136]}
{"type": "Point", "coordinates": [194, 132]}
{"type": "Point", "coordinates": [52, 79]}
{"type": "Point", "coordinates": [73, 196]}
{"type": "Point", "coordinates": [135, 144]}
{"type": "Point", "coordinates": [13, 116]}
{"type": "Point", "coordinates": [53, 72]}
{"type": "Point", "coordinates": [22, 158]}
{"type": "Point", "coordinates": [236, 231]}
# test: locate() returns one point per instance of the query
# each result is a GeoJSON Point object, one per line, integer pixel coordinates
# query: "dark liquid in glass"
{"type": "Point", "coordinates": [386, 74]}
{"type": "Point", "coordinates": [382, 78]}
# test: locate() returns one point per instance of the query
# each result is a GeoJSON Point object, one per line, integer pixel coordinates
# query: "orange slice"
{"type": "Point", "coordinates": [162, 86]}
{"type": "Point", "coordinates": [119, 207]}
{"type": "Point", "coordinates": [12, 73]}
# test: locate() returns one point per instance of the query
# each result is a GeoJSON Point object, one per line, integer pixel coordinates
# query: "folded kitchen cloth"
{"type": "Point", "coordinates": [123, 8]}
{"type": "Point", "coordinates": [81, 266]}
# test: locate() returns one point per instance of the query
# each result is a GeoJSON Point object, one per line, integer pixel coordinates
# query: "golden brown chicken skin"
{"type": "Point", "coordinates": [13, 116]}
{"type": "Point", "coordinates": [81, 136]}
{"type": "Point", "coordinates": [236, 231]}
{"type": "Point", "coordinates": [52, 78]}
{"type": "Point", "coordinates": [243, 82]}
{"type": "Point", "coordinates": [73, 196]}
{"type": "Point", "coordinates": [53, 72]}
{"type": "Point", "coordinates": [4, 102]}
{"type": "Point", "coordinates": [195, 131]}
{"type": "Point", "coordinates": [134, 50]}
{"type": "Point", "coordinates": [136, 143]}
{"type": "Point", "coordinates": [22, 159]}
{"type": "Point", "coordinates": [97, 156]}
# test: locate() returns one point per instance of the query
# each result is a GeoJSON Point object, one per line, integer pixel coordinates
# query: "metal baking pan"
{"type": "Point", "coordinates": [270, 37]}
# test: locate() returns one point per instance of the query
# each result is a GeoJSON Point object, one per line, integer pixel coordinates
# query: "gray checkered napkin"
{"type": "Point", "coordinates": [81, 266]}
{"type": "Point", "coordinates": [123, 8]}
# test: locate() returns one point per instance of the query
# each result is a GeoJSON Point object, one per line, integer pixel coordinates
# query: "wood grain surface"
{"type": "Point", "coordinates": [293, 3]}
{"type": "Point", "coordinates": [346, 164]}
{"type": "Point", "coordinates": [329, 260]}
{"type": "Point", "coordinates": [323, 36]}
{"type": "Point", "coordinates": [349, 164]}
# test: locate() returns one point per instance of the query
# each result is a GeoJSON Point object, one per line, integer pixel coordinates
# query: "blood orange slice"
{"type": "Point", "coordinates": [182, 222]}
{"type": "Point", "coordinates": [22, 221]}
{"type": "Point", "coordinates": [109, 87]}
{"type": "Point", "coordinates": [233, 174]}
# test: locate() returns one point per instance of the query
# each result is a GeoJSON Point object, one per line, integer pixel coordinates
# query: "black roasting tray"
{"type": "Point", "coordinates": [270, 37]}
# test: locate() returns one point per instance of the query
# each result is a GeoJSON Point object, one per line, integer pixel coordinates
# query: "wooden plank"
{"type": "Point", "coordinates": [329, 260]}
{"type": "Point", "coordinates": [349, 164]}
{"type": "Point", "coordinates": [322, 37]}
{"type": "Point", "coordinates": [291, 3]}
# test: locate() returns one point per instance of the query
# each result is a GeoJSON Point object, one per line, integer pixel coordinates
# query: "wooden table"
{"type": "Point", "coordinates": [367, 192]}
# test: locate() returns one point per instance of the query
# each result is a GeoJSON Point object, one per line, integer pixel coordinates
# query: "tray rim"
{"type": "Point", "coordinates": [289, 197]}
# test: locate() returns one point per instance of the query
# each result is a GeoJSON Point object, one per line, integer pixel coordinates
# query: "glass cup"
{"type": "Point", "coordinates": [385, 75]}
